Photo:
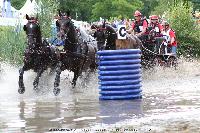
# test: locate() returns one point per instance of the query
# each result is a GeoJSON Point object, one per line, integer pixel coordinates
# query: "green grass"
{"type": "Point", "coordinates": [12, 45]}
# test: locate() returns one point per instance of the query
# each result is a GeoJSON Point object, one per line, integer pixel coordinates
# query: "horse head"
{"type": "Point", "coordinates": [32, 29]}
{"type": "Point", "coordinates": [111, 36]}
{"type": "Point", "coordinates": [105, 33]}
{"type": "Point", "coordinates": [67, 31]}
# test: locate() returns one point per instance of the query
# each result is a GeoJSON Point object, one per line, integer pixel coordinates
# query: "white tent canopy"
{"type": "Point", "coordinates": [14, 11]}
{"type": "Point", "coordinates": [1, 5]}
{"type": "Point", "coordinates": [29, 8]}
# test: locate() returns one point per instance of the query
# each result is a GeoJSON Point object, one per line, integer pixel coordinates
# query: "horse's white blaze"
{"type": "Point", "coordinates": [31, 26]}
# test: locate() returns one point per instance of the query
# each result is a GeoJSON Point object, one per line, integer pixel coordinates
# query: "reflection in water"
{"type": "Point", "coordinates": [115, 111]}
{"type": "Point", "coordinates": [38, 117]}
{"type": "Point", "coordinates": [170, 103]}
{"type": "Point", "coordinates": [41, 115]}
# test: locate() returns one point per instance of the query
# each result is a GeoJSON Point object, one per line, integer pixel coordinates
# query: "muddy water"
{"type": "Point", "coordinates": [170, 103]}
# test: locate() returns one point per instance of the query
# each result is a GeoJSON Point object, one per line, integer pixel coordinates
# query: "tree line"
{"type": "Point", "coordinates": [92, 10]}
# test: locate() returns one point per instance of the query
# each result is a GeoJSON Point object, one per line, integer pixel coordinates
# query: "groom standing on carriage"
{"type": "Point", "coordinates": [139, 26]}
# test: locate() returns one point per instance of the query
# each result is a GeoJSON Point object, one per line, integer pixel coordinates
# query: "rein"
{"type": "Point", "coordinates": [148, 50]}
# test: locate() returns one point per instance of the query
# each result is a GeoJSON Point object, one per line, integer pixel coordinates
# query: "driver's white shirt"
{"type": "Point", "coordinates": [166, 35]}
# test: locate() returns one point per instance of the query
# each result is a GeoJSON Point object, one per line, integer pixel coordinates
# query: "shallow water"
{"type": "Point", "coordinates": [170, 103]}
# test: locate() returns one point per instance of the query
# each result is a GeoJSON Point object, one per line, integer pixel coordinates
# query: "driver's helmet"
{"type": "Point", "coordinates": [154, 18]}
{"type": "Point", "coordinates": [137, 13]}
{"type": "Point", "coordinates": [165, 24]}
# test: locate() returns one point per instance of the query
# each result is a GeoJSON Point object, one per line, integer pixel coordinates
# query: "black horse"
{"type": "Point", "coordinates": [111, 36]}
{"type": "Point", "coordinates": [77, 56]}
{"type": "Point", "coordinates": [105, 35]}
{"type": "Point", "coordinates": [38, 55]}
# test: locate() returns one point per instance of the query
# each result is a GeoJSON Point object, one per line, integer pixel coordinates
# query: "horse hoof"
{"type": "Point", "coordinates": [21, 90]}
{"type": "Point", "coordinates": [35, 85]}
{"type": "Point", "coordinates": [56, 91]}
{"type": "Point", "coordinates": [73, 84]}
{"type": "Point", "coordinates": [36, 89]}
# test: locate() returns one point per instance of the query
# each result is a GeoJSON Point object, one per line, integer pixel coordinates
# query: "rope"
{"type": "Point", "coordinates": [148, 50]}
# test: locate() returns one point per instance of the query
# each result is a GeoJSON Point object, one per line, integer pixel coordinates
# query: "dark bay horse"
{"type": "Point", "coordinates": [105, 36]}
{"type": "Point", "coordinates": [100, 36]}
{"type": "Point", "coordinates": [38, 56]}
{"type": "Point", "coordinates": [108, 34]}
{"type": "Point", "coordinates": [78, 56]}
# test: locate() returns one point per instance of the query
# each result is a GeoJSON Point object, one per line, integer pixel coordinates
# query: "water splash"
{"type": "Point", "coordinates": [170, 102]}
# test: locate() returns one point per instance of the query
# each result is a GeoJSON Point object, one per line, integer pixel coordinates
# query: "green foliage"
{"type": "Point", "coordinates": [196, 4]}
{"type": "Point", "coordinates": [114, 8]}
{"type": "Point", "coordinates": [163, 6]}
{"type": "Point", "coordinates": [80, 10]}
{"type": "Point", "coordinates": [102, 9]}
{"type": "Point", "coordinates": [12, 45]}
{"type": "Point", "coordinates": [18, 4]}
{"type": "Point", "coordinates": [46, 15]}
{"type": "Point", "coordinates": [187, 31]}
{"type": "Point", "coordinates": [149, 6]}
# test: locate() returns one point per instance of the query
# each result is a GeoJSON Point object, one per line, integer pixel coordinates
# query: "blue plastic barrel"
{"type": "Point", "coordinates": [120, 57]}
{"type": "Point", "coordinates": [119, 52]}
{"type": "Point", "coordinates": [120, 67]}
{"type": "Point", "coordinates": [116, 77]}
{"type": "Point", "coordinates": [119, 74]}
{"type": "Point", "coordinates": [119, 62]}
{"type": "Point", "coordinates": [122, 87]}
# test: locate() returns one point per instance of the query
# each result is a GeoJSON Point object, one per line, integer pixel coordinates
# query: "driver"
{"type": "Point", "coordinates": [154, 24]}
{"type": "Point", "coordinates": [170, 37]}
{"type": "Point", "coordinates": [139, 26]}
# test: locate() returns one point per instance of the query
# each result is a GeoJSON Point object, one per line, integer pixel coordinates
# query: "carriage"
{"type": "Point", "coordinates": [156, 46]}
{"type": "Point", "coordinates": [155, 51]}
{"type": "Point", "coordinates": [79, 55]}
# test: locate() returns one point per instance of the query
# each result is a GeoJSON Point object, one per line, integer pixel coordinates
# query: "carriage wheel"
{"type": "Point", "coordinates": [172, 62]}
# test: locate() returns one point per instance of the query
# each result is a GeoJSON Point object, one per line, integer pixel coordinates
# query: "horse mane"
{"type": "Point", "coordinates": [40, 34]}
{"type": "Point", "coordinates": [110, 28]}
{"type": "Point", "coordinates": [74, 30]}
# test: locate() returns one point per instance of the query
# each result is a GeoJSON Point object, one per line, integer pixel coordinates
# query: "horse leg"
{"type": "Point", "coordinates": [36, 81]}
{"type": "Point", "coordinates": [76, 75]}
{"type": "Point", "coordinates": [100, 46]}
{"type": "Point", "coordinates": [21, 89]}
{"type": "Point", "coordinates": [88, 74]}
{"type": "Point", "coordinates": [56, 89]}
{"type": "Point", "coordinates": [74, 79]}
